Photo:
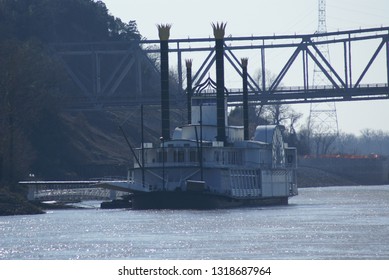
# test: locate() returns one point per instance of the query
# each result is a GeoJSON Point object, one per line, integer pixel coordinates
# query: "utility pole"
{"type": "Point", "coordinates": [323, 120]}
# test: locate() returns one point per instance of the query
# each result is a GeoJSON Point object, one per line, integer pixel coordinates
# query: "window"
{"type": "Point", "coordinates": [179, 156]}
{"type": "Point", "coordinates": [192, 156]}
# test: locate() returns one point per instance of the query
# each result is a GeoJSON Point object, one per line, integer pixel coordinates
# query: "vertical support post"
{"type": "Point", "coordinates": [345, 64]}
{"type": "Point", "coordinates": [143, 145]}
{"type": "Point", "coordinates": [305, 70]}
{"type": "Point", "coordinates": [163, 162]}
{"type": "Point", "coordinates": [349, 62]}
{"type": "Point", "coordinates": [263, 68]}
{"type": "Point", "coordinates": [387, 59]}
{"type": "Point", "coordinates": [244, 62]}
{"type": "Point", "coordinates": [188, 64]}
{"type": "Point", "coordinates": [201, 143]}
{"type": "Point", "coordinates": [219, 32]}
{"type": "Point", "coordinates": [164, 33]}
{"type": "Point", "coordinates": [139, 88]}
{"type": "Point", "coordinates": [179, 67]}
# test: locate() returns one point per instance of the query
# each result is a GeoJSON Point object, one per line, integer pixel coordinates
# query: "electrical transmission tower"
{"type": "Point", "coordinates": [323, 121]}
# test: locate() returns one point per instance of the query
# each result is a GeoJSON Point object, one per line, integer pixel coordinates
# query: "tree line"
{"type": "Point", "coordinates": [298, 134]}
{"type": "Point", "coordinates": [307, 139]}
{"type": "Point", "coordinates": [56, 21]}
{"type": "Point", "coordinates": [33, 84]}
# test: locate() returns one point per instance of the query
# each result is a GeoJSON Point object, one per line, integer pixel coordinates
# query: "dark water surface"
{"type": "Point", "coordinates": [320, 223]}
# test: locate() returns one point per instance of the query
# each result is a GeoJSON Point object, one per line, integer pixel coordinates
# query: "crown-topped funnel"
{"type": "Point", "coordinates": [219, 30]}
{"type": "Point", "coordinates": [164, 31]}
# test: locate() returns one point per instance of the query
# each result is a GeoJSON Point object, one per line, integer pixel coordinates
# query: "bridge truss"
{"type": "Point", "coordinates": [69, 191]}
{"type": "Point", "coordinates": [360, 70]}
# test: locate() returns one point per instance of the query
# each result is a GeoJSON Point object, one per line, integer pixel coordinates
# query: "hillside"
{"type": "Point", "coordinates": [39, 134]}
{"type": "Point", "coordinates": [15, 204]}
{"type": "Point", "coordinates": [96, 147]}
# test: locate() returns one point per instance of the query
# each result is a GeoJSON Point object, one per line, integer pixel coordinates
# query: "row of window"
{"type": "Point", "coordinates": [183, 155]}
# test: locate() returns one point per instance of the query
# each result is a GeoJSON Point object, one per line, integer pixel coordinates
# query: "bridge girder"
{"type": "Point", "coordinates": [341, 86]}
{"type": "Point", "coordinates": [69, 191]}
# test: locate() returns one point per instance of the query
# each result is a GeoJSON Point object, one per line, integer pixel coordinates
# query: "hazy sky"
{"type": "Point", "coordinates": [259, 17]}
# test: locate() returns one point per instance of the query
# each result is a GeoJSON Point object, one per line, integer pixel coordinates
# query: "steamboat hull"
{"type": "Point", "coordinates": [194, 200]}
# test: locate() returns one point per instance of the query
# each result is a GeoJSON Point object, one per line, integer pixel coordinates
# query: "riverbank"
{"type": "Point", "coordinates": [15, 204]}
{"type": "Point", "coordinates": [308, 177]}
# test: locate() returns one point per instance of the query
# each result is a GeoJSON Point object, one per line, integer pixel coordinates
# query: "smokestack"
{"type": "Point", "coordinates": [244, 62]}
{"type": "Point", "coordinates": [188, 63]}
{"type": "Point", "coordinates": [164, 33]}
{"type": "Point", "coordinates": [219, 32]}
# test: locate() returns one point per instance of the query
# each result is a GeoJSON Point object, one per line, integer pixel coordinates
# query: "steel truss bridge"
{"type": "Point", "coordinates": [361, 53]}
{"type": "Point", "coordinates": [69, 191]}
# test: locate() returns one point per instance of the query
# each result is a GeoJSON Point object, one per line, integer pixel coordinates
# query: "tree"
{"type": "Point", "coordinates": [56, 21]}
{"type": "Point", "coordinates": [29, 87]}
{"type": "Point", "coordinates": [282, 114]}
{"type": "Point", "coordinates": [34, 133]}
{"type": "Point", "coordinates": [278, 114]}
{"type": "Point", "coordinates": [256, 117]}
{"type": "Point", "coordinates": [302, 143]}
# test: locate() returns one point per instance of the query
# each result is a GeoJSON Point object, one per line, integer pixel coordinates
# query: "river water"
{"type": "Point", "coordinates": [320, 223]}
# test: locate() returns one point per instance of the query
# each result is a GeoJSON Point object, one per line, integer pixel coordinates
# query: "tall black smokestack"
{"type": "Point", "coordinates": [218, 32]}
{"type": "Point", "coordinates": [188, 63]}
{"type": "Point", "coordinates": [164, 33]}
{"type": "Point", "coordinates": [245, 100]}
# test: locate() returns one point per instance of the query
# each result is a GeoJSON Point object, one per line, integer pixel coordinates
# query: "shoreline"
{"type": "Point", "coordinates": [12, 203]}
{"type": "Point", "coordinates": [15, 204]}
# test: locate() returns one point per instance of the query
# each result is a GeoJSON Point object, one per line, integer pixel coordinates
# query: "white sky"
{"type": "Point", "coordinates": [267, 17]}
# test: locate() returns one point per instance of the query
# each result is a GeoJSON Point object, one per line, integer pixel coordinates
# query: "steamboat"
{"type": "Point", "coordinates": [207, 163]}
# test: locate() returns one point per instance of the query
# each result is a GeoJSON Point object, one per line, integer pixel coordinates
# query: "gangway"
{"type": "Point", "coordinates": [74, 190]}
